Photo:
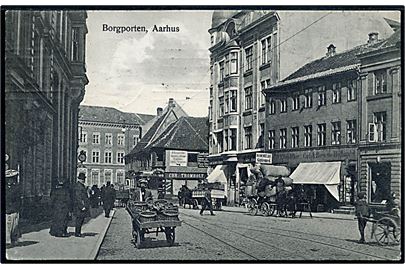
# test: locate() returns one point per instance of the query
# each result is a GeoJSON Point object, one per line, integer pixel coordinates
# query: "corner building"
{"type": "Point", "coordinates": [244, 60]}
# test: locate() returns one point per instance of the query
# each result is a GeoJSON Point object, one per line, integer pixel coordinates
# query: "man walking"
{"type": "Point", "coordinates": [108, 199]}
{"type": "Point", "coordinates": [206, 203]}
{"type": "Point", "coordinates": [60, 199]}
{"type": "Point", "coordinates": [81, 203]}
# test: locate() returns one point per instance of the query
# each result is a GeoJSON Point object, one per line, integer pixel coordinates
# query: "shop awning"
{"type": "Point", "coordinates": [319, 173]}
{"type": "Point", "coordinates": [218, 175]}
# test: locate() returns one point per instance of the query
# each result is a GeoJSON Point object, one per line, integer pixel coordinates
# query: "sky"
{"type": "Point", "coordinates": [138, 72]}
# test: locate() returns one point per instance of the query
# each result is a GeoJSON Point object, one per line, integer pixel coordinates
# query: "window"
{"type": "Point", "coordinates": [232, 136]}
{"type": "Point", "coordinates": [83, 137]}
{"type": "Point", "coordinates": [336, 132]}
{"type": "Point", "coordinates": [248, 137]}
{"type": "Point", "coordinates": [321, 96]}
{"type": "Point", "coordinates": [266, 50]}
{"type": "Point", "coordinates": [295, 102]}
{"type": "Point", "coordinates": [96, 138]}
{"type": "Point", "coordinates": [336, 92]}
{"type": "Point", "coordinates": [233, 101]}
{"type": "Point", "coordinates": [295, 137]}
{"type": "Point", "coordinates": [249, 58]}
{"type": "Point", "coordinates": [226, 65]}
{"type": "Point", "coordinates": [221, 71]}
{"type": "Point", "coordinates": [107, 175]}
{"type": "Point", "coordinates": [95, 177]}
{"type": "Point", "coordinates": [248, 98]}
{"type": "Point", "coordinates": [120, 139]}
{"type": "Point", "coordinates": [380, 121]}
{"type": "Point", "coordinates": [260, 139]}
{"type": "Point", "coordinates": [234, 62]}
{"type": "Point", "coordinates": [95, 156]}
{"type": "Point", "coordinates": [308, 136]}
{"type": "Point", "coordinates": [107, 156]}
{"type": "Point", "coordinates": [220, 142]}
{"type": "Point", "coordinates": [108, 139]}
{"type": "Point", "coordinates": [135, 140]}
{"type": "Point", "coordinates": [225, 140]}
{"type": "Point", "coordinates": [272, 139]}
{"type": "Point", "coordinates": [210, 110]}
{"type": "Point", "coordinates": [272, 107]}
{"type": "Point", "coordinates": [120, 157]}
{"type": "Point", "coordinates": [75, 43]}
{"type": "Point", "coordinates": [221, 106]}
{"type": "Point", "coordinates": [308, 100]}
{"type": "Point", "coordinates": [351, 90]}
{"type": "Point", "coordinates": [321, 134]}
{"type": "Point", "coordinates": [283, 138]}
{"type": "Point", "coordinates": [283, 105]}
{"type": "Point", "coordinates": [351, 131]}
{"type": "Point", "coordinates": [120, 177]}
{"type": "Point", "coordinates": [380, 82]}
{"type": "Point", "coordinates": [226, 102]}
{"type": "Point", "coordinates": [211, 75]}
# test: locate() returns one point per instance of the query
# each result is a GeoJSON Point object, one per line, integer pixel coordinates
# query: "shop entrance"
{"type": "Point", "coordinates": [380, 181]}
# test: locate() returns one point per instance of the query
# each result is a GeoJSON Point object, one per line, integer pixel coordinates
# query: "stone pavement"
{"type": "Point", "coordinates": [40, 245]}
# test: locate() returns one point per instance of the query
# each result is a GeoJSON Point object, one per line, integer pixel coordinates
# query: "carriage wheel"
{"type": "Point", "coordinates": [272, 209]}
{"type": "Point", "coordinates": [265, 209]}
{"type": "Point", "coordinates": [195, 204]}
{"type": "Point", "coordinates": [252, 207]}
{"type": "Point", "coordinates": [170, 235]}
{"type": "Point", "coordinates": [385, 231]}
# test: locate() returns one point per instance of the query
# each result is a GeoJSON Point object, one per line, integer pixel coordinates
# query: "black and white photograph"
{"type": "Point", "coordinates": [202, 134]}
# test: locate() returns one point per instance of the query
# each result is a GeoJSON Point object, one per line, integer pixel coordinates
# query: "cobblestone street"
{"type": "Point", "coordinates": [238, 236]}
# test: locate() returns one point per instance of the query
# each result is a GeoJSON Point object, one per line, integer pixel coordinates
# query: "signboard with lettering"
{"type": "Point", "coordinates": [177, 158]}
{"type": "Point", "coordinates": [181, 175]}
{"type": "Point", "coordinates": [202, 160]}
{"type": "Point", "coordinates": [264, 158]}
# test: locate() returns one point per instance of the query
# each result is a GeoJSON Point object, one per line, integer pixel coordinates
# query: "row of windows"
{"type": "Point", "coordinates": [226, 140]}
{"type": "Point", "coordinates": [308, 95]}
{"type": "Point", "coordinates": [336, 131]}
{"type": "Point", "coordinates": [94, 178]}
{"type": "Point", "coordinates": [228, 66]}
{"type": "Point", "coordinates": [108, 138]}
{"type": "Point", "coordinates": [108, 156]}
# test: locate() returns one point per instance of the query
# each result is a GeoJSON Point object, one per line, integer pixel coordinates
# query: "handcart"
{"type": "Point", "coordinates": [153, 218]}
{"type": "Point", "coordinates": [386, 228]}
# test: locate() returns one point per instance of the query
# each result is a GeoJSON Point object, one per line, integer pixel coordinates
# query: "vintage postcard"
{"type": "Point", "coordinates": [196, 134]}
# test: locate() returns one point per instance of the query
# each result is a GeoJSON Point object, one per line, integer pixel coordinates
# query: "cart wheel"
{"type": "Point", "coordinates": [265, 209]}
{"type": "Point", "coordinates": [386, 231]}
{"type": "Point", "coordinates": [170, 235]}
{"type": "Point", "coordinates": [252, 207]}
{"type": "Point", "coordinates": [272, 209]}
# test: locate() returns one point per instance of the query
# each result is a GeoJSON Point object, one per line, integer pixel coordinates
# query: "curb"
{"type": "Point", "coordinates": [95, 250]}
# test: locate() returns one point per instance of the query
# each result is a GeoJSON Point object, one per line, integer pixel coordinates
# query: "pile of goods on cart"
{"type": "Point", "coordinates": [153, 217]}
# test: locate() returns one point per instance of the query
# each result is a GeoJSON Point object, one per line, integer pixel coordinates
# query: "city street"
{"type": "Point", "coordinates": [238, 236]}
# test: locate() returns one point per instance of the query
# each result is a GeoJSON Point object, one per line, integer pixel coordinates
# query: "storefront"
{"type": "Point", "coordinates": [190, 177]}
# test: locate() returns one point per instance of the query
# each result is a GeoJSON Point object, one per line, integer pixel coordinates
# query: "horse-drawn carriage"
{"type": "Point", "coordinates": [153, 217]}
{"type": "Point", "coordinates": [386, 225]}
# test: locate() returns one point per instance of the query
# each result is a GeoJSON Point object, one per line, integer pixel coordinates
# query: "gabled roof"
{"type": "Point", "coordinates": [110, 115]}
{"type": "Point", "coordinates": [187, 133]}
{"type": "Point", "coordinates": [391, 41]}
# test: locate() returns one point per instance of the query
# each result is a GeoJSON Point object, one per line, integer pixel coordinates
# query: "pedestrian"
{"type": "Point", "coordinates": [13, 207]}
{"type": "Point", "coordinates": [362, 213]}
{"type": "Point", "coordinates": [207, 202]}
{"type": "Point", "coordinates": [102, 194]}
{"type": "Point", "coordinates": [81, 203]}
{"type": "Point", "coordinates": [60, 201]}
{"type": "Point", "coordinates": [108, 199]}
{"type": "Point", "coordinates": [94, 196]}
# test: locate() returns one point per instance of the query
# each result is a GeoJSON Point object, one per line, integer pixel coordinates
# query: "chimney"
{"type": "Point", "coordinates": [159, 111]}
{"type": "Point", "coordinates": [171, 103]}
{"type": "Point", "coordinates": [372, 38]}
{"type": "Point", "coordinates": [331, 50]}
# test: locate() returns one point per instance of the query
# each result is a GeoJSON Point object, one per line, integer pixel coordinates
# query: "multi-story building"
{"type": "Point", "coordinates": [45, 78]}
{"type": "Point", "coordinates": [313, 121]}
{"type": "Point", "coordinates": [380, 129]}
{"type": "Point", "coordinates": [252, 50]}
{"type": "Point", "coordinates": [106, 135]}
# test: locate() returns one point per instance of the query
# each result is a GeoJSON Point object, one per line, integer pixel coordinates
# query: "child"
{"type": "Point", "coordinates": [362, 212]}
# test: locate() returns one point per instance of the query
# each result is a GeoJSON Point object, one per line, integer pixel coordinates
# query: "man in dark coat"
{"type": "Point", "coordinates": [362, 212]}
{"type": "Point", "coordinates": [207, 203]}
{"type": "Point", "coordinates": [81, 203]}
{"type": "Point", "coordinates": [13, 206]}
{"type": "Point", "coordinates": [108, 199]}
{"type": "Point", "coordinates": [60, 199]}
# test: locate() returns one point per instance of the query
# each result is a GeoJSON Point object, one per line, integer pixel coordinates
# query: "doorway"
{"type": "Point", "coordinates": [380, 181]}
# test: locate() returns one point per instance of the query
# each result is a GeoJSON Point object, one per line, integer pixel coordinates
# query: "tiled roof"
{"type": "Point", "coordinates": [187, 133]}
{"type": "Point", "coordinates": [392, 41]}
{"type": "Point", "coordinates": [110, 115]}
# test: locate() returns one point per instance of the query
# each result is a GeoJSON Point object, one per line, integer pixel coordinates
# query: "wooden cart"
{"type": "Point", "coordinates": [386, 228]}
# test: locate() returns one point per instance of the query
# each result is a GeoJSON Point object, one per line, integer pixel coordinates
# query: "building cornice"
{"type": "Point", "coordinates": [107, 124]}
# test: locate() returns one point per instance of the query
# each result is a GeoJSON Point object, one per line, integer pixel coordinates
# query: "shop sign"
{"type": "Point", "coordinates": [177, 158]}
{"type": "Point", "coordinates": [185, 175]}
{"type": "Point", "coordinates": [264, 158]}
{"type": "Point", "coordinates": [202, 160]}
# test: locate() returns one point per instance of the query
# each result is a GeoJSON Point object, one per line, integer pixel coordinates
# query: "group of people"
{"type": "Point", "coordinates": [77, 201]}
